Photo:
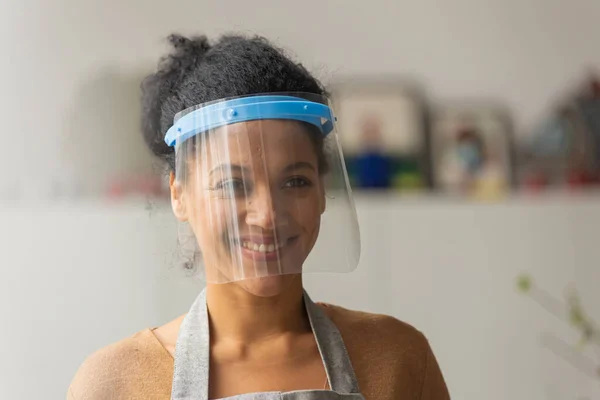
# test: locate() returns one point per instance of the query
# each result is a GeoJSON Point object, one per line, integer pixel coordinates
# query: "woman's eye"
{"type": "Point", "coordinates": [297, 182]}
{"type": "Point", "coordinates": [231, 185]}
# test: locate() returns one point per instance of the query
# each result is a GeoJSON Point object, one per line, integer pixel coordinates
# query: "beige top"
{"type": "Point", "coordinates": [392, 361]}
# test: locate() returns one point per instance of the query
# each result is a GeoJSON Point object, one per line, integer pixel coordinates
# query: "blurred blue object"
{"type": "Point", "coordinates": [373, 171]}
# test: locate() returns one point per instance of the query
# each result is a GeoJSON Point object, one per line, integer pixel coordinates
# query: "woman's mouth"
{"type": "Point", "coordinates": [264, 249]}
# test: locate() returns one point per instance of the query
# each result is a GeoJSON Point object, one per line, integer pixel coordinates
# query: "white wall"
{"type": "Point", "coordinates": [74, 279]}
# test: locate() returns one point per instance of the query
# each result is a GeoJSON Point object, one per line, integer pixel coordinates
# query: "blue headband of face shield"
{"type": "Point", "coordinates": [250, 108]}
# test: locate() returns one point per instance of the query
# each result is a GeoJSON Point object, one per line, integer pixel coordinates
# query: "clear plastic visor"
{"type": "Point", "coordinates": [261, 183]}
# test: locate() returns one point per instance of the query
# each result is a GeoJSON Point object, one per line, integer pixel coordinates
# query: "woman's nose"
{"type": "Point", "coordinates": [262, 210]}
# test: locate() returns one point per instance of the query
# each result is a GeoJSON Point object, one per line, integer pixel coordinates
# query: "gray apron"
{"type": "Point", "coordinates": [190, 377]}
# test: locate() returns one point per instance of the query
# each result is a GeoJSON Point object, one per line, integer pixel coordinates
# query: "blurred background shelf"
{"type": "Point", "coordinates": [362, 198]}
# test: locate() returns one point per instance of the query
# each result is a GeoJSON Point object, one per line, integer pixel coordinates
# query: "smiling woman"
{"type": "Point", "coordinates": [257, 174]}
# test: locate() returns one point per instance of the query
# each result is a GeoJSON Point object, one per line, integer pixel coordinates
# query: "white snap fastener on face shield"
{"type": "Point", "coordinates": [231, 113]}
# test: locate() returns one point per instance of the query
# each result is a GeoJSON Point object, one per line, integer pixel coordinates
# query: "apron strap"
{"type": "Point", "coordinates": [336, 360]}
{"type": "Point", "coordinates": [192, 352]}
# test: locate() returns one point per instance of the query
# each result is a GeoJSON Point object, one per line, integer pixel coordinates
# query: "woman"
{"type": "Point", "coordinates": [256, 174]}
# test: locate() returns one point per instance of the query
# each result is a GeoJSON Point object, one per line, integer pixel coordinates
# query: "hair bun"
{"type": "Point", "coordinates": [163, 85]}
{"type": "Point", "coordinates": [188, 51]}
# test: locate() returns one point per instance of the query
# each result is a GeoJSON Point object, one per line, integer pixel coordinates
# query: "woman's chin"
{"type": "Point", "coordinates": [267, 286]}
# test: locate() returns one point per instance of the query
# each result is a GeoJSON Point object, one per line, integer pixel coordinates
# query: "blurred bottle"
{"type": "Point", "coordinates": [373, 167]}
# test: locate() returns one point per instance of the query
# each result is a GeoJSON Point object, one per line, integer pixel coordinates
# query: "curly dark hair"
{"type": "Point", "coordinates": [198, 72]}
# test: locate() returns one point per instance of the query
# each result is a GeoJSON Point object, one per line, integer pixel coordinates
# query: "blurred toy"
{"type": "Point", "coordinates": [469, 157]}
{"type": "Point", "coordinates": [589, 107]}
{"type": "Point", "coordinates": [407, 174]}
{"type": "Point", "coordinates": [470, 167]}
{"type": "Point", "coordinates": [566, 149]}
{"type": "Point", "coordinates": [373, 167]}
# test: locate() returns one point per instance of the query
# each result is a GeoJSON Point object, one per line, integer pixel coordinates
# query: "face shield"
{"type": "Point", "coordinates": [261, 183]}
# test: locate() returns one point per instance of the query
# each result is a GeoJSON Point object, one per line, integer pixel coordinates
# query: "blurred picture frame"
{"type": "Point", "coordinates": [472, 149]}
{"type": "Point", "coordinates": [381, 124]}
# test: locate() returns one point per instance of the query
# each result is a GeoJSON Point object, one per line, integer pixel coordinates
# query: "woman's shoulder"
{"type": "Point", "coordinates": [386, 349]}
{"type": "Point", "coordinates": [367, 324]}
{"type": "Point", "coordinates": [116, 369]}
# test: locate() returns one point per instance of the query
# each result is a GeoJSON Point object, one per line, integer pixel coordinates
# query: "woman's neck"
{"type": "Point", "coordinates": [240, 316]}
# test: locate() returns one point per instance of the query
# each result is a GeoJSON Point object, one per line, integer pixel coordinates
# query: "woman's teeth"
{"type": "Point", "coordinates": [263, 248]}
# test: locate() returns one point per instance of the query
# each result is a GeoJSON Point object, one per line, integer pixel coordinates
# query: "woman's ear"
{"type": "Point", "coordinates": [177, 198]}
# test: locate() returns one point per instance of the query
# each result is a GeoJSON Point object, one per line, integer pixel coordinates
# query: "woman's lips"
{"type": "Point", "coordinates": [264, 248]}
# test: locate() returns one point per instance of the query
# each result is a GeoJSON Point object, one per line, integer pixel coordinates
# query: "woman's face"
{"type": "Point", "coordinates": [254, 197]}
